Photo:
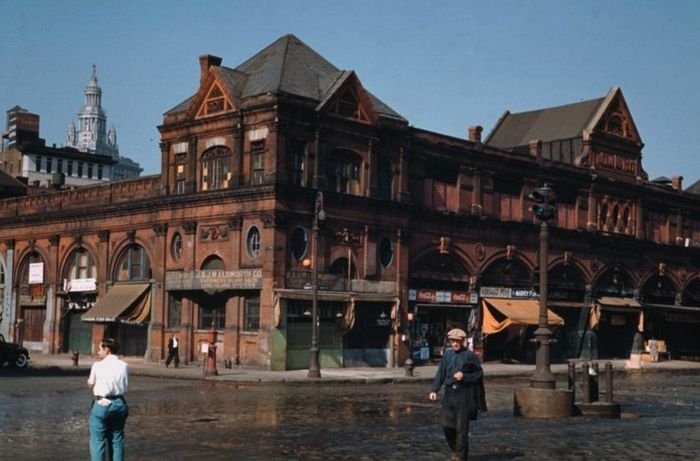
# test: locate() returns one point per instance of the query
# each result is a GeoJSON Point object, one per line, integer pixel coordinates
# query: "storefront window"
{"type": "Point", "coordinates": [209, 316]}
{"type": "Point", "coordinates": [252, 313]}
{"type": "Point", "coordinates": [174, 309]}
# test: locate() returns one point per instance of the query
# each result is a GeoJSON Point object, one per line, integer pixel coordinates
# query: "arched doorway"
{"type": "Point", "coordinates": [616, 314]}
{"type": "Point", "coordinates": [32, 301]}
{"type": "Point", "coordinates": [125, 309]}
{"type": "Point", "coordinates": [511, 279]}
{"type": "Point", "coordinates": [439, 299]}
{"type": "Point", "coordinates": [567, 296]}
{"type": "Point", "coordinates": [79, 294]}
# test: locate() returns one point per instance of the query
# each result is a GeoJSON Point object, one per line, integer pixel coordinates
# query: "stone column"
{"type": "Point", "coordinates": [187, 315]}
{"type": "Point", "coordinates": [159, 304]}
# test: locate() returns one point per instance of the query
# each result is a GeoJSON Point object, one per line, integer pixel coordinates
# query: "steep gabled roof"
{"type": "Point", "coordinates": [694, 188]}
{"type": "Point", "coordinates": [288, 66]}
{"type": "Point", "coordinates": [609, 114]}
{"type": "Point", "coordinates": [563, 122]}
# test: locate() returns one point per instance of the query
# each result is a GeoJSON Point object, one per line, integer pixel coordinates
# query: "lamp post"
{"type": "Point", "coordinates": [544, 210]}
{"type": "Point", "coordinates": [542, 400]}
{"type": "Point", "coordinates": [319, 216]}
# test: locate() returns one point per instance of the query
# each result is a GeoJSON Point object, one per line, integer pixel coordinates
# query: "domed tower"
{"type": "Point", "coordinates": [91, 133]}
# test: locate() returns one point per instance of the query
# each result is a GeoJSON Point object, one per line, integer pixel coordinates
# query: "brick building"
{"type": "Point", "coordinates": [413, 232]}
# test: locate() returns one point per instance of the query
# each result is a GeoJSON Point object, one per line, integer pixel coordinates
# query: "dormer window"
{"type": "Point", "coordinates": [348, 105]}
{"type": "Point", "coordinates": [214, 103]}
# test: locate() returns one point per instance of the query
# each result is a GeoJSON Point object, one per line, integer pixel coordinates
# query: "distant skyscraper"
{"type": "Point", "coordinates": [91, 135]}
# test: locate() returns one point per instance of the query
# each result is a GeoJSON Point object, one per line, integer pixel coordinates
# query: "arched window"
{"type": "Point", "coordinates": [603, 217]}
{"type": "Point", "coordinates": [176, 247]}
{"type": "Point", "coordinates": [344, 172]}
{"type": "Point", "coordinates": [386, 252]}
{"type": "Point", "coordinates": [625, 220]}
{"type": "Point", "coordinates": [253, 242]}
{"type": "Point", "coordinates": [214, 263]}
{"type": "Point", "coordinates": [81, 265]}
{"type": "Point", "coordinates": [216, 172]}
{"type": "Point", "coordinates": [299, 243]}
{"type": "Point", "coordinates": [615, 215]}
{"type": "Point", "coordinates": [340, 267]}
{"type": "Point", "coordinates": [133, 264]}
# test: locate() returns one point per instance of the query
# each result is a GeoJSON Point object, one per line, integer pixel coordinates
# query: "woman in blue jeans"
{"type": "Point", "coordinates": [109, 382]}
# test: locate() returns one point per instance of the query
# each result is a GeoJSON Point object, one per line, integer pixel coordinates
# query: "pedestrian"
{"type": "Point", "coordinates": [109, 382]}
{"type": "Point", "coordinates": [173, 351]}
{"type": "Point", "coordinates": [462, 376]}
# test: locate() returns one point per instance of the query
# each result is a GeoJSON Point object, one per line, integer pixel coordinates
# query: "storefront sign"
{"type": "Point", "coordinates": [303, 280]}
{"type": "Point", "coordinates": [495, 292]}
{"type": "Point", "coordinates": [429, 296]}
{"type": "Point", "coordinates": [36, 273]}
{"type": "Point", "coordinates": [78, 285]}
{"type": "Point", "coordinates": [504, 292]}
{"type": "Point", "coordinates": [242, 279]}
{"type": "Point", "coordinates": [690, 243]}
{"type": "Point", "coordinates": [524, 293]}
{"type": "Point", "coordinates": [682, 317]}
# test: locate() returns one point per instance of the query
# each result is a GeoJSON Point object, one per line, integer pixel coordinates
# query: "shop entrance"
{"type": "Point", "coordinates": [79, 334]}
{"type": "Point", "coordinates": [367, 344]}
{"type": "Point", "coordinates": [429, 329]}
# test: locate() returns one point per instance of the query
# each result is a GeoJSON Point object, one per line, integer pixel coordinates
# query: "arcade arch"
{"type": "Point", "coordinates": [440, 298]}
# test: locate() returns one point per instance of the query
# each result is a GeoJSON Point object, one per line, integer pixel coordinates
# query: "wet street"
{"type": "Point", "coordinates": [44, 417]}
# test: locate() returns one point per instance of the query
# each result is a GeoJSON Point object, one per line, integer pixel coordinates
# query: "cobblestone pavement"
{"type": "Point", "coordinates": [43, 416]}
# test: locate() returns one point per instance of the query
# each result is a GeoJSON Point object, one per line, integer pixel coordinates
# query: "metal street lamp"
{"type": "Point", "coordinates": [544, 210]}
{"type": "Point", "coordinates": [319, 216]}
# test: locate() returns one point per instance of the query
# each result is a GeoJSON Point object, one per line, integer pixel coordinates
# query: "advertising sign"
{"type": "Point", "coordinates": [36, 273]}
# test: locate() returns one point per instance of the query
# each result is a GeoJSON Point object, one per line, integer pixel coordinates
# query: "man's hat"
{"type": "Point", "coordinates": [456, 333]}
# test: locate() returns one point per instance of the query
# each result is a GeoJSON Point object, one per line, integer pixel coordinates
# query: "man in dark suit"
{"type": "Point", "coordinates": [173, 351]}
{"type": "Point", "coordinates": [461, 373]}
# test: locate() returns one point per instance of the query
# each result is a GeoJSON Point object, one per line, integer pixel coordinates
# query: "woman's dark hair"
{"type": "Point", "coordinates": [111, 344]}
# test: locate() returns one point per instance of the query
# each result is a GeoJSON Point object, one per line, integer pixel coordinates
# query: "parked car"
{"type": "Point", "coordinates": [13, 354]}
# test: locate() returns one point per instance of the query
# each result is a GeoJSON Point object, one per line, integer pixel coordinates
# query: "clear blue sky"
{"type": "Point", "coordinates": [444, 65]}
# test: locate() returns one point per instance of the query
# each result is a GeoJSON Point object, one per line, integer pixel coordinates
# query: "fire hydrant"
{"type": "Point", "coordinates": [408, 365]}
{"type": "Point", "coordinates": [75, 357]}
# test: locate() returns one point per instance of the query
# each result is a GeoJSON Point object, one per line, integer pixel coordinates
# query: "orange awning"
{"type": "Point", "coordinates": [501, 313]}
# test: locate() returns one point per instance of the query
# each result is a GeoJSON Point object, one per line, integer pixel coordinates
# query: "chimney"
{"type": "Point", "coordinates": [205, 62]}
{"type": "Point", "coordinates": [677, 183]}
{"type": "Point", "coordinates": [475, 133]}
{"type": "Point", "coordinates": [536, 150]}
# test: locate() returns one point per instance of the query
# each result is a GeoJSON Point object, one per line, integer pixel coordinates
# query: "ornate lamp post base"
{"type": "Point", "coordinates": [530, 402]}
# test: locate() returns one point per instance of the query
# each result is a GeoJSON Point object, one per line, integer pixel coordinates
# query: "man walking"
{"type": "Point", "coordinates": [173, 351]}
{"type": "Point", "coordinates": [461, 374]}
{"type": "Point", "coordinates": [109, 382]}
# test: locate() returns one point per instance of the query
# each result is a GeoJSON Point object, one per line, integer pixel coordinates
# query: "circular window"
{"type": "Point", "coordinates": [253, 242]}
{"type": "Point", "coordinates": [176, 247]}
{"type": "Point", "coordinates": [386, 252]}
{"type": "Point", "coordinates": [300, 242]}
